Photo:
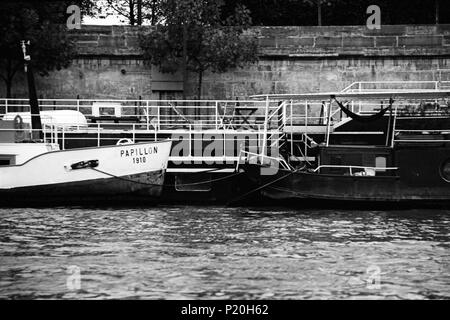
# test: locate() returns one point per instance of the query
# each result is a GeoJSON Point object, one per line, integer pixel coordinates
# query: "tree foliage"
{"type": "Point", "coordinates": [211, 41]}
{"type": "Point", "coordinates": [43, 24]}
{"type": "Point", "coordinates": [341, 12]}
{"type": "Point", "coordinates": [133, 12]}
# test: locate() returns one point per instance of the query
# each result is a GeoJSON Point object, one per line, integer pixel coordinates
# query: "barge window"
{"type": "Point", "coordinates": [6, 160]}
{"type": "Point", "coordinates": [380, 162]}
{"type": "Point", "coordinates": [445, 170]}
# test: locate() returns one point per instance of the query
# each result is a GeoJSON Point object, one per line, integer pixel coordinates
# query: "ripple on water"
{"type": "Point", "coordinates": [179, 252]}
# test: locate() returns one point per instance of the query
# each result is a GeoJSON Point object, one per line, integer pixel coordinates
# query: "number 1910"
{"type": "Point", "coordinates": [137, 160]}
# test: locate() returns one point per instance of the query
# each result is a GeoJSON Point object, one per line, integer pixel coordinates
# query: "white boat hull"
{"type": "Point", "coordinates": [131, 169]}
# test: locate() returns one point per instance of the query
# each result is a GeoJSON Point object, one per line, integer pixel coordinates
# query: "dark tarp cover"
{"type": "Point", "coordinates": [359, 118]}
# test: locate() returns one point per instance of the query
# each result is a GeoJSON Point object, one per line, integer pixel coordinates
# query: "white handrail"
{"type": "Point", "coordinates": [354, 167]}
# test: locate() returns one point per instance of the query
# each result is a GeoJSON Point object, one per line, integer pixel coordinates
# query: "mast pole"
{"type": "Point", "coordinates": [36, 125]}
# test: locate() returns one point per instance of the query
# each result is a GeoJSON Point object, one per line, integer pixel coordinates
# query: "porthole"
{"type": "Point", "coordinates": [445, 170]}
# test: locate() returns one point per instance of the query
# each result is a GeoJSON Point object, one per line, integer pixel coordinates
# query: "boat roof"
{"type": "Point", "coordinates": [366, 95]}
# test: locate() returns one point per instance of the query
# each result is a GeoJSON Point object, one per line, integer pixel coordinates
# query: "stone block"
{"type": "Point", "coordinates": [386, 30]}
{"type": "Point", "coordinates": [386, 41]}
{"type": "Point", "coordinates": [326, 42]}
{"type": "Point", "coordinates": [280, 32]}
{"type": "Point", "coordinates": [420, 41]}
{"type": "Point", "coordinates": [358, 41]}
{"type": "Point", "coordinates": [267, 42]}
{"type": "Point", "coordinates": [295, 42]}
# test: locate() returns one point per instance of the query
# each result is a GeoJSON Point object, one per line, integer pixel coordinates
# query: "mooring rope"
{"type": "Point", "coordinates": [169, 185]}
{"type": "Point", "coordinates": [262, 187]}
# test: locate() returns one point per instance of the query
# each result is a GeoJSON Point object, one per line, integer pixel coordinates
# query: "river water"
{"type": "Point", "coordinates": [187, 252]}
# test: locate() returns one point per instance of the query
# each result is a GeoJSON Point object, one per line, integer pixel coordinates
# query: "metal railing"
{"type": "Point", "coordinates": [158, 114]}
{"type": "Point", "coordinates": [351, 168]}
{"type": "Point", "coordinates": [50, 134]}
{"type": "Point", "coordinates": [426, 135]}
{"type": "Point", "coordinates": [370, 86]}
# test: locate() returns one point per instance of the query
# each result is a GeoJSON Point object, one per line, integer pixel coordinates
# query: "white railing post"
{"type": "Point", "coordinates": [217, 115]}
{"type": "Point", "coordinates": [292, 128]}
{"type": "Point", "coordinates": [98, 134]}
{"type": "Point", "coordinates": [266, 120]}
{"type": "Point", "coordinates": [328, 123]}
{"type": "Point", "coordinates": [158, 116]}
{"type": "Point", "coordinates": [225, 147]}
{"type": "Point", "coordinates": [306, 128]}
{"type": "Point", "coordinates": [147, 115]}
{"type": "Point", "coordinates": [134, 133]}
{"type": "Point", "coordinates": [63, 139]}
{"type": "Point", "coordinates": [6, 106]}
{"type": "Point", "coordinates": [190, 140]}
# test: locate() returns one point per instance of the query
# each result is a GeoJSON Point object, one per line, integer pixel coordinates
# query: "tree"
{"type": "Point", "coordinates": [41, 24]}
{"type": "Point", "coordinates": [197, 37]}
{"type": "Point", "coordinates": [134, 12]}
{"type": "Point", "coordinates": [341, 12]}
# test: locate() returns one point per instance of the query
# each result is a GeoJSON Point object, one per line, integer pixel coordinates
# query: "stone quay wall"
{"type": "Point", "coordinates": [291, 60]}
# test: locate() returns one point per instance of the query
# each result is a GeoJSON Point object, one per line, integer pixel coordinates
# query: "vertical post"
{"type": "Point", "coordinates": [98, 134]}
{"type": "Point", "coordinates": [217, 116]}
{"type": "Point", "coordinates": [190, 140]}
{"type": "Point", "coordinates": [259, 139]}
{"type": "Point", "coordinates": [292, 129]}
{"type": "Point", "coordinates": [158, 116]}
{"type": "Point", "coordinates": [147, 116]}
{"type": "Point", "coordinates": [306, 128]}
{"type": "Point", "coordinates": [78, 104]}
{"type": "Point", "coordinates": [6, 106]}
{"type": "Point", "coordinates": [36, 123]}
{"type": "Point", "coordinates": [266, 120]}
{"type": "Point", "coordinates": [134, 133]}
{"type": "Point", "coordinates": [184, 61]}
{"type": "Point", "coordinates": [393, 126]}
{"type": "Point", "coordinates": [63, 139]}
{"type": "Point", "coordinates": [224, 146]}
{"type": "Point", "coordinates": [328, 122]}
{"type": "Point", "coordinates": [388, 131]}
{"type": "Point", "coordinates": [284, 113]}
